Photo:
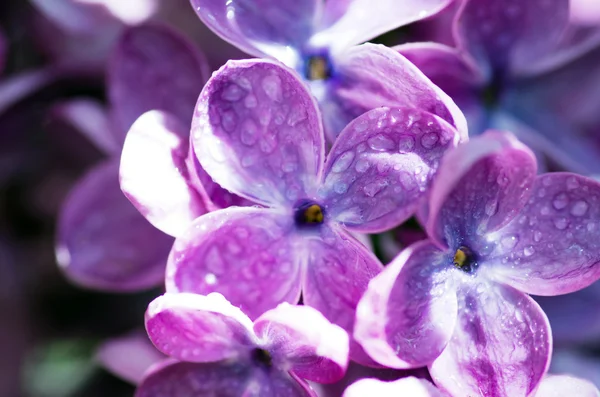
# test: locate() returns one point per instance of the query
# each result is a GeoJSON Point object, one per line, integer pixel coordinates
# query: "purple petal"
{"type": "Point", "coordinates": [369, 76]}
{"type": "Point", "coordinates": [407, 315]}
{"type": "Point", "coordinates": [154, 174]}
{"type": "Point", "coordinates": [246, 254]}
{"type": "Point", "coordinates": [15, 89]}
{"type": "Point", "coordinates": [480, 187]}
{"type": "Point", "coordinates": [129, 357]}
{"type": "Point", "coordinates": [555, 246]}
{"type": "Point", "coordinates": [573, 317]}
{"type": "Point", "coordinates": [382, 165]}
{"type": "Point", "coordinates": [198, 328]}
{"type": "Point", "coordinates": [501, 344]}
{"type": "Point", "coordinates": [260, 27]}
{"type": "Point", "coordinates": [410, 386]}
{"type": "Point", "coordinates": [509, 34]}
{"type": "Point", "coordinates": [565, 385]}
{"type": "Point", "coordinates": [257, 132]}
{"type": "Point", "coordinates": [301, 337]}
{"type": "Point", "coordinates": [339, 270]}
{"type": "Point", "coordinates": [89, 117]}
{"type": "Point", "coordinates": [154, 67]}
{"type": "Point", "coordinates": [223, 379]}
{"type": "Point", "coordinates": [360, 21]}
{"type": "Point", "coordinates": [103, 242]}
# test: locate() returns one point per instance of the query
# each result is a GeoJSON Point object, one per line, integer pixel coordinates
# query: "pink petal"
{"type": "Point", "coordinates": [369, 76]}
{"type": "Point", "coordinates": [314, 348]}
{"type": "Point", "coordinates": [407, 315]}
{"type": "Point", "coordinates": [410, 386]}
{"type": "Point", "coordinates": [257, 132]}
{"type": "Point", "coordinates": [198, 328]}
{"type": "Point", "coordinates": [103, 242]}
{"type": "Point", "coordinates": [564, 385]}
{"type": "Point", "coordinates": [129, 357]}
{"type": "Point", "coordinates": [501, 344]}
{"type": "Point", "coordinates": [227, 379]}
{"type": "Point", "coordinates": [556, 237]}
{"type": "Point", "coordinates": [247, 254]}
{"type": "Point", "coordinates": [479, 188]}
{"type": "Point", "coordinates": [154, 67]}
{"type": "Point", "coordinates": [361, 21]}
{"type": "Point", "coordinates": [381, 166]}
{"type": "Point", "coordinates": [154, 174]}
{"type": "Point", "coordinates": [509, 34]}
{"type": "Point", "coordinates": [339, 269]}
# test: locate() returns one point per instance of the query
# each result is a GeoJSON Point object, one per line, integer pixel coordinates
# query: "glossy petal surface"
{"type": "Point", "coordinates": [257, 132]}
{"type": "Point", "coordinates": [154, 174]}
{"type": "Point", "coordinates": [565, 385]}
{"type": "Point", "coordinates": [198, 328]}
{"type": "Point", "coordinates": [152, 68]}
{"type": "Point", "coordinates": [556, 246]}
{"type": "Point", "coordinates": [369, 76]}
{"type": "Point", "coordinates": [103, 241]}
{"type": "Point", "coordinates": [338, 272]}
{"type": "Point", "coordinates": [381, 166]}
{"type": "Point", "coordinates": [501, 344]}
{"type": "Point", "coordinates": [410, 386]}
{"type": "Point", "coordinates": [218, 379]}
{"type": "Point", "coordinates": [246, 254]}
{"type": "Point", "coordinates": [480, 187]}
{"type": "Point", "coordinates": [302, 338]}
{"type": "Point", "coordinates": [509, 34]}
{"type": "Point", "coordinates": [407, 316]}
{"type": "Point", "coordinates": [357, 21]}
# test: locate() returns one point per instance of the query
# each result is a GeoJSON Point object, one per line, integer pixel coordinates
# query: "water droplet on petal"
{"type": "Point", "coordinates": [249, 133]}
{"type": "Point", "coordinates": [429, 140]}
{"type": "Point", "coordinates": [579, 208]}
{"type": "Point", "coordinates": [572, 183]}
{"type": "Point", "coordinates": [529, 250]}
{"type": "Point", "coordinates": [380, 143]}
{"type": "Point", "coordinates": [361, 165]}
{"type": "Point", "coordinates": [250, 101]}
{"type": "Point", "coordinates": [491, 207]}
{"type": "Point", "coordinates": [537, 236]}
{"type": "Point", "coordinates": [560, 201]}
{"type": "Point", "coordinates": [232, 93]}
{"type": "Point", "coordinates": [342, 163]}
{"type": "Point", "coordinates": [272, 87]}
{"type": "Point", "coordinates": [406, 144]}
{"type": "Point", "coordinates": [545, 210]}
{"type": "Point", "coordinates": [340, 187]}
{"type": "Point", "coordinates": [509, 242]}
{"type": "Point", "coordinates": [373, 188]}
{"type": "Point", "coordinates": [560, 223]}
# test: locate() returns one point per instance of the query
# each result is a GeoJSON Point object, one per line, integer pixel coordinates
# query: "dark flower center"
{"type": "Point", "coordinates": [465, 260]}
{"type": "Point", "coordinates": [308, 214]}
{"type": "Point", "coordinates": [262, 358]}
{"type": "Point", "coordinates": [317, 68]}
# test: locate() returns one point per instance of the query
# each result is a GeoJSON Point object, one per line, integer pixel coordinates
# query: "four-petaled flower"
{"type": "Point", "coordinates": [497, 232]}
{"type": "Point", "coordinates": [217, 350]}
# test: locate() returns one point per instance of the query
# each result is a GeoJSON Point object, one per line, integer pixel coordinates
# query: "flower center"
{"type": "Point", "coordinates": [464, 259]}
{"type": "Point", "coordinates": [261, 358]}
{"type": "Point", "coordinates": [308, 214]}
{"type": "Point", "coordinates": [317, 68]}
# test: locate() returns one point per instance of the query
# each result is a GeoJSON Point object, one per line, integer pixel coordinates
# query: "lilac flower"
{"type": "Point", "coordinates": [257, 133]}
{"type": "Point", "coordinates": [514, 68]}
{"type": "Point", "coordinates": [217, 349]}
{"type": "Point", "coordinates": [102, 240]}
{"type": "Point", "coordinates": [458, 302]}
{"type": "Point", "coordinates": [551, 386]}
{"type": "Point", "coordinates": [413, 387]}
{"type": "Point", "coordinates": [315, 38]}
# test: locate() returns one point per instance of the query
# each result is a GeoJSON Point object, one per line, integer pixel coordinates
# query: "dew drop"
{"type": "Point", "coordinates": [340, 187]}
{"type": "Point", "coordinates": [545, 210]}
{"type": "Point", "coordinates": [297, 114]}
{"type": "Point", "coordinates": [249, 133]}
{"type": "Point", "coordinates": [560, 223]}
{"type": "Point", "coordinates": [373, 188]}
{"type": "Point", "coordinates": [210, 279]}
{"type": "Point", "coordinates": [491, 207]}
{"type": "Point", "coordinates": [229, 121]}
{"type": "Point", "coordinates": [407, 180]}
{"type": "Point", "coordinates": [429, 140]}
{"type": "Point", "coordinates": [361, 165]}
{"type": "Point", "coordinates": [591, 227]}
{"type": "Point", "coordinates": [250, 101]}
{"type": "Point", "coordinates": [232, 93]}
{"type": "Point", "coordinates": [343, 162]}
{"type": "Point", "coordinates": [572, 183]}
{"type": "Point", "coordinates": [537, 236]}
{"type": "Point", "coordinates": [272, 87]}
{"type": "Point", "coordinates": [579, 208]}
{"type": "Point", "coordinates": [406, 144]}
{"type": "Point", "coordinates": [509, 242]}
{"type": "Point", "coordinates": [528, 251]}
{"type": "Point", "coordinates": [380, 143]}
{"type": "Point", "coordinates": [560, 201]}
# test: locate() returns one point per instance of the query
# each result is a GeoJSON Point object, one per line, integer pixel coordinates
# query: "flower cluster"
{"type": "Point", "coordinates": [268, 197]}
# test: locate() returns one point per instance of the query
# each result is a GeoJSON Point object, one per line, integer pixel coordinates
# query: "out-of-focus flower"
{"type": "Point", "coordinates": [585, 12]}
{"type": "Point", "coordinates": [565, 385]}
{"type": "Point", "coordinates": [103, 242]}
{"type": "Point", "coordinates": [458, 302]}
{"type": "Point", "coordinates": [514, 68]}
{"type": "Point", "coordinates": [217, 349]}
{"type": "Point", "coordinates": [315, 38]}
{"type": "Point", "coordinates": [257, 132]}
{"type": "Point", "coordinates": [570, 361]}
{"type": "Point", "coordinates": [410, 386]}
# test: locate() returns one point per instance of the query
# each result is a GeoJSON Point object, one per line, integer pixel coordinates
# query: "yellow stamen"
{"type": "Point", "coordinates": [313, 214]}
{"type": "Point", "coordinates": [317, 68]}
{"type": "Point", "coordinates": [460, 258]}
